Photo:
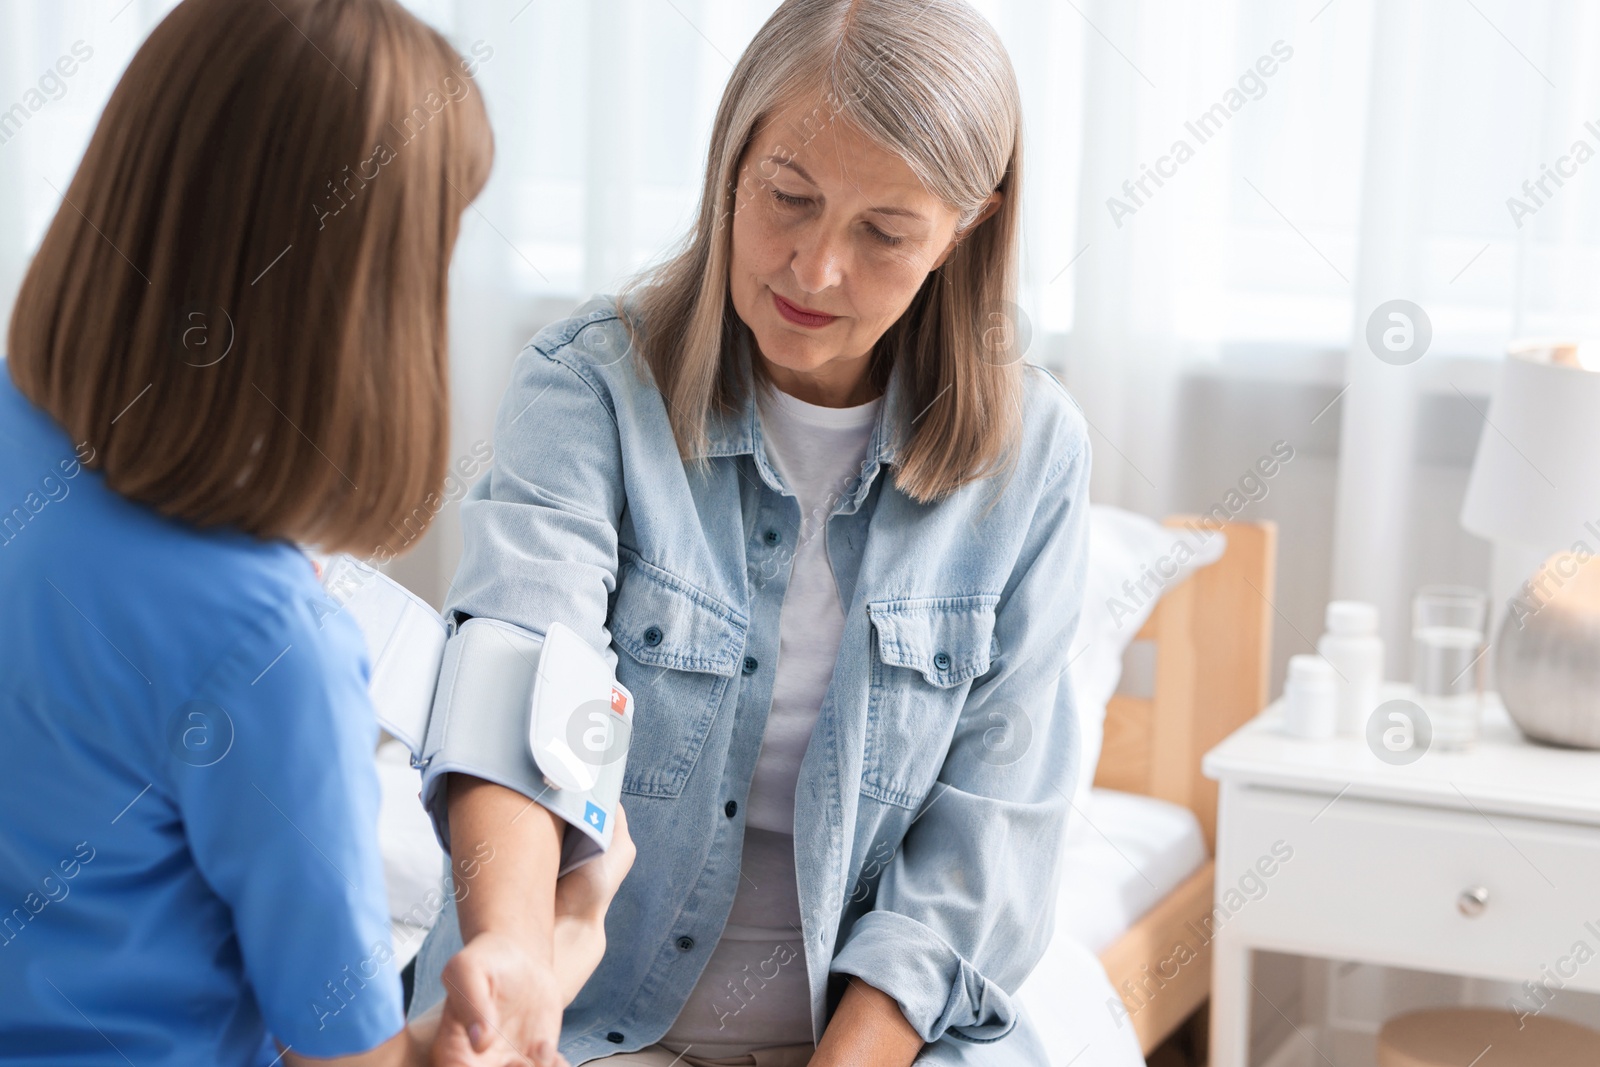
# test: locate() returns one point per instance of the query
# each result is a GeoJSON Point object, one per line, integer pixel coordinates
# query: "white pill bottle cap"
{"type": "Point", "coordinates": [1310, 673]}
{"type": "Point", "coordinates": [1352, 618]}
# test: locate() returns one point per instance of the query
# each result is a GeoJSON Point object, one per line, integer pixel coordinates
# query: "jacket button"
{"type": "Point", "coordinates": [750, 664]}
{"type": "Point", "coordinates": [942, 660]}
{"type": "Point", "coordinates": [615, 1038]}
{"type": "Point", "coordinates": [773, 537]}
{"type": "Point", "coordinates": [685, 944]}
{"type": "Point", "coordinates": [652, 636]}
{"type": "Point", "coordinates": [731, 808]}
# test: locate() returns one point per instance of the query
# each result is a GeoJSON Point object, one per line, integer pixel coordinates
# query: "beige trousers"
{"type": "Point", "coordinates": [656, 1056]}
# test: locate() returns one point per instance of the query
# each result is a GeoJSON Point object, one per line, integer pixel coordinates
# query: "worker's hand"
{"type": "Point", "coordinates": [502, 1007]}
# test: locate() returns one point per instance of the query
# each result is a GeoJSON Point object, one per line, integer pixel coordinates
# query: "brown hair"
{"type": "Point", "coordinates": [929, 81]}
{"type": "Point", "coordinates": [240, 306]}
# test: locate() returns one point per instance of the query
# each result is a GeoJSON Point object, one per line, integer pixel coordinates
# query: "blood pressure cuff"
{"type": "Point", "coordinates": [481, 706]}
{"type": "Point", "coordinates": [463, 701]}
{"type": "Point", "coordinates": [494, 700]}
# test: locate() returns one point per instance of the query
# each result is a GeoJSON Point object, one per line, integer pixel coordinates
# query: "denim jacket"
{"type": "Point", "coordinates": [933, 795]}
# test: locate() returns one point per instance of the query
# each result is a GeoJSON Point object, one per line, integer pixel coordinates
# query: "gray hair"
{"type": "Point", "coordinates": [929, 81]}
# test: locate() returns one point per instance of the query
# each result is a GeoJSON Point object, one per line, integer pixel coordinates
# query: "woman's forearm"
{"type": "Point", "coordinates": [523, 957]}
{"type": "Point", "coordinates": [867, 1028]}
{"type": "Point", "coordinates": [511, 893]}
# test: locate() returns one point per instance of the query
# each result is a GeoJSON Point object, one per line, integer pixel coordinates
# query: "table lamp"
{"type": "Point", "coordinates": [1536, 482]}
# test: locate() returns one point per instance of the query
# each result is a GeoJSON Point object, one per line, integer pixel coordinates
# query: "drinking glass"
{"type": "Point", "coordinates": [1447, 661]}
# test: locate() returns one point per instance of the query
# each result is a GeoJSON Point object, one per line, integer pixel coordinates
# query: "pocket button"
{"type": "Point", "coordinates": [942, 660]}
{"type": "Point", "coordinates": [652, 636]}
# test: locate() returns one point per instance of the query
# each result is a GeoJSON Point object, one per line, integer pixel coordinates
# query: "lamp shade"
{"type": "Point", "coordinates": [1536, 478]}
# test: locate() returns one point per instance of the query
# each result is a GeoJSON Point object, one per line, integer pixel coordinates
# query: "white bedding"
{"type": "Point", "coordinates": [413, 863]}
{"type": "Point", "coordinates": [1136, 851]}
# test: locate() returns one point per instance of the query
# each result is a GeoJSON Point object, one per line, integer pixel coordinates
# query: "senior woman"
{"type": "Point", "coordinates": [801, 484]}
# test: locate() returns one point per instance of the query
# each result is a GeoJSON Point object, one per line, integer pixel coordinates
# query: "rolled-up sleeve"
{"type": "Point", "coordinates": [965, 906]}
{"type": "Point", "coordinates": [539, 545]}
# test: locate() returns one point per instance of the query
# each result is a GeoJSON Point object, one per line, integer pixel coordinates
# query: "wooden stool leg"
{"type": "Point", "coordinates": [1197, 1035]}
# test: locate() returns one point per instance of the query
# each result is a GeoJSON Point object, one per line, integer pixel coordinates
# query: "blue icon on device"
{"type": "Point", "coordinates": [594, 815]}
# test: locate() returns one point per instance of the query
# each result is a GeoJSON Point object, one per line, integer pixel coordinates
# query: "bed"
{"type": "Point", "coordinates": [1158, 685]}
{"type": "Point", "coordinates": [1130, 960]}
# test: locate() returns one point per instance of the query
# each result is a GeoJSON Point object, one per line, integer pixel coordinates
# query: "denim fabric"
{"type": "Point", "coordinates": [933, 794]}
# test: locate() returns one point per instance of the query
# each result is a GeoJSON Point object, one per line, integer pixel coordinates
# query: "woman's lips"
{"type": "Point", "coordinates": [801, 316]}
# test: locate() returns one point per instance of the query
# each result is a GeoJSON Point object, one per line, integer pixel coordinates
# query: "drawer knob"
{"type": "Point", "coordinates": [1472, 901]}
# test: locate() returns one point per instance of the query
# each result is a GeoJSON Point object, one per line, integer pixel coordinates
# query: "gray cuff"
{"type": "Point", "coordinates": [481, 708]}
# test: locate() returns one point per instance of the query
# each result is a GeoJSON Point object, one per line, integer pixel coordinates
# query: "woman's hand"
{"type": "Point", "coordinates": [582, 898]}
{"type": "Point", "coordinates": [502, 1006]}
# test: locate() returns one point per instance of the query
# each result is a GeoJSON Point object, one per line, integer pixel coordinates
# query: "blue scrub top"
{"type": "Point", "coordinates": [189, 864]}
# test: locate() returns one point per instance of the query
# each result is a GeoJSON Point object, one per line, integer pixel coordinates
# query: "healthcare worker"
{"type": "Point", "coordinates": [231, 342]}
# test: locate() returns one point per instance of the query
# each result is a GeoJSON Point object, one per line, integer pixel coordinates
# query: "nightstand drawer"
{"type": "Point", "coordinates": [1457, 891]}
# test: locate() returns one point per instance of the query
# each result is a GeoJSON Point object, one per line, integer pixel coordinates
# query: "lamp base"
{"type": "Point", "coordinates": [1547, 659]}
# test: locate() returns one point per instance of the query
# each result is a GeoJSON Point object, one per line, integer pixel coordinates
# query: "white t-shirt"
{"type": "Point", "coordinates": [754, 992]}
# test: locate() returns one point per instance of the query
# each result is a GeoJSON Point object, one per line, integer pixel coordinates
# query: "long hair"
{"type": "Point", "coordinates": [240, 305]}
{"type": "Point", "coordinates": [929, 81]}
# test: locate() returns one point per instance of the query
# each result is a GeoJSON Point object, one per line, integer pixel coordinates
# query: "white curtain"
{"type": "Point", "coordinates": [1340, 154]}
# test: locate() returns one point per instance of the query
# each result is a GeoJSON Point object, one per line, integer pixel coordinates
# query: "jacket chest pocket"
{"type": "Point", "coordinates": [925, 654]}
{"type": "Point", "coordinates": [677, 650]}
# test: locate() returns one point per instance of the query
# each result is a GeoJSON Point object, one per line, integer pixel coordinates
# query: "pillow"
{"type": "Point", "coordinates": [413, 863]}
{"type": "Point", "coordinates": [1132, 561]}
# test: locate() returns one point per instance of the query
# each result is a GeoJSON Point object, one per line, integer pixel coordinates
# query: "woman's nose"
{"type": "Point", "coordinates": [818, 262]}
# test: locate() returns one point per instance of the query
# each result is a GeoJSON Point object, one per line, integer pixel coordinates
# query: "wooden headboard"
{"type": "Point", "coordinates": [1213, 642]}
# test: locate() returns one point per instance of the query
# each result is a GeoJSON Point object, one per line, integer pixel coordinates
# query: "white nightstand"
{"type": "Point", "coordinates": [1483, 863]}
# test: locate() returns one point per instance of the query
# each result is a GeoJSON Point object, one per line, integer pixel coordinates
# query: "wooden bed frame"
{"type": "Point", "coordinates": [1212, 638]}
